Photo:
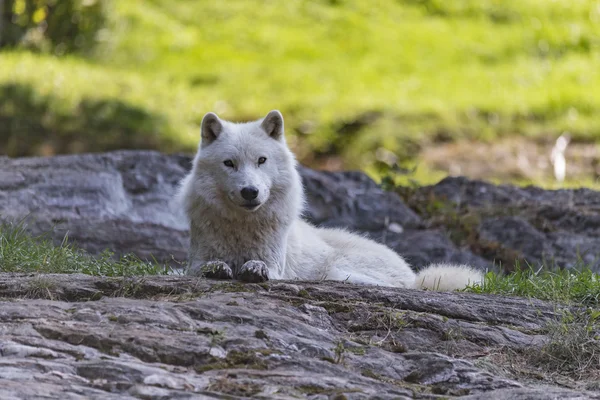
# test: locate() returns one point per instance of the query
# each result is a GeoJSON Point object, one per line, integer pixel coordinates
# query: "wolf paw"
{"type": "Point", "coordinates": [216, 270]}
{"type": "Point", "coordinates": [254, 272]}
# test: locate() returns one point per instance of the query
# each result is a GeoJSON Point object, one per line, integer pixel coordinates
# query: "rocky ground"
{"type": "Point", "coordinates": [76, 336]}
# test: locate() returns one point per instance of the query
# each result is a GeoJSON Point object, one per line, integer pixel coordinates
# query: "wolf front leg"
{"type": "Point", "coordinates": [253, 271]}
{"type": "Point", "coordinates": [268, 265]}
{"type": "Point", "coordinates": [216, 269]}
{"type": "Point", "coordinates": [202, 261]}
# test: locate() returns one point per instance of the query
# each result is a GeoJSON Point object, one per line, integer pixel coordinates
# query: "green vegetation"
{"type": "Point", "coordinates": [351, 77]}
{"type": "Point", "coordinates": [56, 26]}
{"type": "Point", "coordinates": [574, 345]}
{"type": "Point", "coordinates": [579, 286]}
{"type": "Point", "coordinates": [20, 252]}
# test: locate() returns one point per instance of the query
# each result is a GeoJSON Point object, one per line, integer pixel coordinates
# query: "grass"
{"type": "Point", "coordinates": [21, 252]}
{"type": "Point", "coordinates": [572, 348]}
{"type": "Point", "coordinates": [351, 77]}
{"type": "Point", "coordinates": [579, 286]}
{"type": "Point", "coordinates": [574, 345]}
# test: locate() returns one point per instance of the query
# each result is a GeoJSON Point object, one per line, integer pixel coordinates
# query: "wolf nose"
{"type": "Point", "coordinates": [249, 193]}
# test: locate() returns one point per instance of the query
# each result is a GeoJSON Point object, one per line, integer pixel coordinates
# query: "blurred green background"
{"type": "Point", "coordinates": [402, 89]}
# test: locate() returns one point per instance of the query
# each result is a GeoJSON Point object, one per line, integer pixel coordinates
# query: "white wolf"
{"type": "Point", "coordinates": [244, 199]}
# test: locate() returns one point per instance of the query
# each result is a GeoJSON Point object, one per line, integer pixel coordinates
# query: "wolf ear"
{"type": "Point", "coordinates": [211, 128]}
{"type": "Point", "coordinates": [272, 124]}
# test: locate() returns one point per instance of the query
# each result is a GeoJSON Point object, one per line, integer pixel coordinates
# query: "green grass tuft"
{"type": "Point", "coordinates": [580, 286]}
{"type": "Point", "coordinates": [21, 252]}
{"type": "Point", "coordinates": [574, 345]}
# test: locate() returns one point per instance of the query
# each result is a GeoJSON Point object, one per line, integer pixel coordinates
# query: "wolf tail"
{"type": "Point", "coordinates": [447, 277]}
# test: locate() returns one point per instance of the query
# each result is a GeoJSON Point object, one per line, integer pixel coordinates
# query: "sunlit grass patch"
{"type": "Point", "coordinates": [21, 252]}
{"type": "Point", "coordinates": [580, 286]}
{"type": "Point", "coordinates": [52, 105]}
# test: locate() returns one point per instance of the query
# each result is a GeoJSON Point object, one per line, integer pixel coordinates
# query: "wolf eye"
{"type": "Point", "coordinates": [262, 160]}
{"type": "Point", "coordinates": [228, 163]}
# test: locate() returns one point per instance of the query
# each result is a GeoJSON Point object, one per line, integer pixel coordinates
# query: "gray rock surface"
{"type": "Point", "coordinates": [541, 227]}
{"type": "Point", "coordinates": [117, 201]}
{"type": "Point", "coordinates": [120, 201]}
{"type": "Point", "coordinates": [83, 337]}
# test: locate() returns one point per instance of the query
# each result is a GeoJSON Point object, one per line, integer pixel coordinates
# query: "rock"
{"type": "Point", "coordinates": [517, 234]}
{"type": "Point", "coordinates": [120, 201]}
{"type": "Point", "coordinates": [183, 337]}
{"type": "Point", "coordinates": [535, 394]}
{"type": "Point", "coordinates": [354, 201]}
{"type": "Point", "coordinates": [540, 227]}
{"type": "Point", "coordinates": [117, 201]}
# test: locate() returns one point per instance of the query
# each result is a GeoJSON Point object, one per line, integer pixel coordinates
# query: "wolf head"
{"type": "Point", "coordinates": [241, 167]}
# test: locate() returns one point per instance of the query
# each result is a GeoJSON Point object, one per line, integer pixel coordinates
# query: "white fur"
{"type": "Point", "coordinates": [274, 232]}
